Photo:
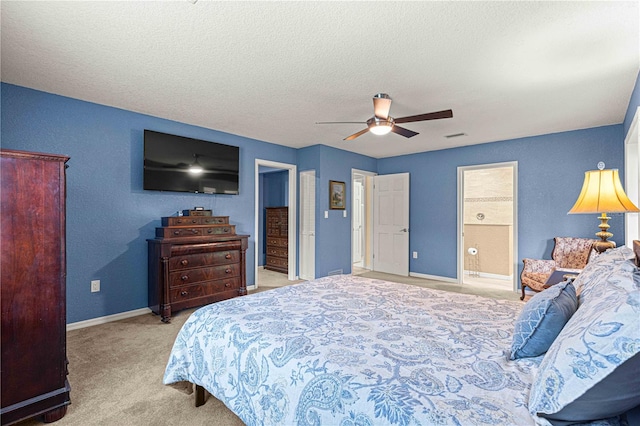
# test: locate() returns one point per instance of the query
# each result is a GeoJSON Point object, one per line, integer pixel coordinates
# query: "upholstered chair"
{"type": "Point", "coordinates": [569, 255]}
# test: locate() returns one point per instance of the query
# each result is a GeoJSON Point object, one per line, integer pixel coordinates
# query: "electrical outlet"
{"type": "Point", "coordinates": [415, 254]}
{"type": "Point", "coordinates": [95, 286]}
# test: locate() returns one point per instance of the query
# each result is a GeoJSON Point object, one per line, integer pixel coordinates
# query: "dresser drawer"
{"type": "Point", "coordinates": [278, 262]}
{"type": "Point", "coordinates": [204, 259]}
{"type": "Point", "coordinates": [203, 289]}
{"type": "Point", "coordinates": [194, 220]}
{"type": "Point", "coordinates": [277, 251]}
{"type": "Point", "coordinates": [277, 242]}
{"type": "Point", "coordinates": [185, 231]}
{"type": "Point", "coordinates": [191, 276]}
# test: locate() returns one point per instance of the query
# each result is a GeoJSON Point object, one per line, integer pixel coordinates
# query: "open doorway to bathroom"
{"type": "Point", "coordinates": [487, 217]}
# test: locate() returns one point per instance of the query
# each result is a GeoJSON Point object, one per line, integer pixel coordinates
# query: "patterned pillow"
{"type": "Point", "coordinates": [542, 319]}
{"type": "Point", "coordinates": [600, 338]}
{"type": "Point", "coordinates": [595, 270]}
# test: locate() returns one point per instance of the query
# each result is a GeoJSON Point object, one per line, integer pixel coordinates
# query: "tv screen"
{"type": "Point", "coordinates": [177, 163]}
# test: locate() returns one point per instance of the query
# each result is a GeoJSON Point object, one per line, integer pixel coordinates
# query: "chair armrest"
{"type": "Point", "coordinates": [540, 266]}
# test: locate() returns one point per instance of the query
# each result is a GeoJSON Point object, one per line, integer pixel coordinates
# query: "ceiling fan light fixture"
{"type": "Point", "coordinates": [380, 127]}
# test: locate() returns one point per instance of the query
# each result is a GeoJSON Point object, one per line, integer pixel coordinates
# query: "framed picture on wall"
{"type": "Point", "coordinates": [336, 195]}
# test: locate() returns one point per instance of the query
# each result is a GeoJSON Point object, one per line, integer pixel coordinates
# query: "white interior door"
{"type": "Point", "coordinates": [308, 225]}
{"type": "Point", "coordinates": [391, 224]}
{"type": "Point", "coordinates": [358, 221]}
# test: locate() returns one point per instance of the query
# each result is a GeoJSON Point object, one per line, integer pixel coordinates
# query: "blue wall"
{"type": "Point", "coordinates": [550, 175]}
{"type": "Point", "coordinates": [109, 215]}
{"type": "Point", "coordinates": [333, 235]}
{"type": "Point", "coordinates": [276, 189]}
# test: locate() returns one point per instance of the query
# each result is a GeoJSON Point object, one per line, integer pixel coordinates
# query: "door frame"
{"type": "Point", "coordinates": [368, 217]}
{"type": "Point", "coordinates": [632, 178]}
{"type": "Point", "coordinates": [514, 230]}
{"type": "Point", "coordinates": [292, 209]}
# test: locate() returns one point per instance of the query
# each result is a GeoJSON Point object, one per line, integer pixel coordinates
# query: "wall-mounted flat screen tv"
{"type": "Point", "coordinates": [181, 164]}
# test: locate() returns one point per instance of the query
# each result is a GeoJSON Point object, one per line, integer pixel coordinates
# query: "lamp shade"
{"type": "Point", "coordinates": [602, 192]}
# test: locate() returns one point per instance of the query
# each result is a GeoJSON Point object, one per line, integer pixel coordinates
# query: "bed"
{"type": "Point", "coordinates": [347, 350]}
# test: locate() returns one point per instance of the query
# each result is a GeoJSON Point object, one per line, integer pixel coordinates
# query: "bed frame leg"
{"type": "Point", "coordinates": [200, 394]}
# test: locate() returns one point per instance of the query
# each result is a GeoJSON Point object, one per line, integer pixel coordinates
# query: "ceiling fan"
{"type": "Point", "coordinates": [382, 123]}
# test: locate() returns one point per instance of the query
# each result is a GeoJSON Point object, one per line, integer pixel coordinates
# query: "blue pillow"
{"type": "Point", "coordinates": [542, 319]}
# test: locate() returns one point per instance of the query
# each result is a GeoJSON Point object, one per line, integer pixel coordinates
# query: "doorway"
{"type": "Point", "coordinates": [291, 191]}
{"type": "Point", "coordinates": [487, 225]}
{"type": "Point", "coordinates": [361, 221]}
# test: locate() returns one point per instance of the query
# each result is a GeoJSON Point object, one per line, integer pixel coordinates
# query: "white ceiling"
{"type": "Point", "coordinates": [271, 70]}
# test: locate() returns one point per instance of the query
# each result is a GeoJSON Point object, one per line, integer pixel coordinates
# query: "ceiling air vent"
{"type": "Point", "coordinates": [455, 135]}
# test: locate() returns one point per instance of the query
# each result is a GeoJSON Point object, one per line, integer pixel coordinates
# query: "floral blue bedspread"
{"type": "Point", "coordinates": [347, 350]}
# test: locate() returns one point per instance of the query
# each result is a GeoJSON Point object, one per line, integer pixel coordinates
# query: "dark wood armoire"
{"type": "Point", "coordinates": [33, 287]}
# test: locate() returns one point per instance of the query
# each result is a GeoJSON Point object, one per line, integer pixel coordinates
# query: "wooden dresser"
{"type": "Point", "coordinates": [277, 225]}
{"type": "Point", "coordinates": [33, 287]}
{"type": "Point", "coordinates": [194, 261]}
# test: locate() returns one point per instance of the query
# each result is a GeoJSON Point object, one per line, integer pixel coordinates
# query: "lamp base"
{"type": "Point", "coordinates": [602, 246]}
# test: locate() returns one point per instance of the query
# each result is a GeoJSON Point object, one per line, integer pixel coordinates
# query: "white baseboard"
{"type": "Point", "coordinates": [491, 276]}
{"type": "Point", "coordinates": [433, 277]}
{"type": "Point", "coordinates": [108, 318]}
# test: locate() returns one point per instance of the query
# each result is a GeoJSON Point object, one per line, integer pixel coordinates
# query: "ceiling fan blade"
{"type": "Point", "coordinates": [355, 135]}
{"type": "Point", "coordinates": [404, 132]}
{"type": "Point", "coordinates": [447, 113]}
{"type": "Point", "coordinates": [381, 105]}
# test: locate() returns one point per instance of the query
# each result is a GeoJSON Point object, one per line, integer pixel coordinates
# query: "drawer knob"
{"type": "Point", "coordinates": [184, 277]}
{"type": "Point", "coordinates": [176, 232]}
{"type": "Point", "coordinates": [184, 293]}
{"type": "Point", "coordinates": [227, 256]}
{"type": "Point", "coordinates": [227, 284]}
{"type": "Point", "coordinates": [209, 230]}
{"type": "Point", "coordinates": [194, 221]}
{"type": "Point", "coordinates": [184, 262]}
{"type": "Point", "coordinates": [194, 231]}
{"type": "Point", "coordinates": [228, 271]}
{"type": "Point", "coordinates": [225, 230]}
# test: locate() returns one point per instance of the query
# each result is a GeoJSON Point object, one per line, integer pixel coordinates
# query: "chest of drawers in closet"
{"type": "Point", "coordinates": [277, 247]}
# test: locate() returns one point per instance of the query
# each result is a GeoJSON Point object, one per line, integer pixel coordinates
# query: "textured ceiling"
{"type": "Point", "coordinates": [271, 70]}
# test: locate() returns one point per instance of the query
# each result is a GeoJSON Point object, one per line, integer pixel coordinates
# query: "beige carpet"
{"type": "Point", "coordinates": [116, 370]}
{"type": "Point", "coordinates": [446, 286]}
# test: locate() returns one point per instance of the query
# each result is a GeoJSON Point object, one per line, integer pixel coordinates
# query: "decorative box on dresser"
{"type": "Point", "coordinates": [277, 225]}
{"type": "Point", "coordinates": [33, 287]}
{"type": "Point", "coordinates": [194, 261]}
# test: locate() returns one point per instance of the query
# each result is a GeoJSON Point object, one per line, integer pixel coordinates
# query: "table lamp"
{"type": "Point", "coordinates": [602, 193]}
